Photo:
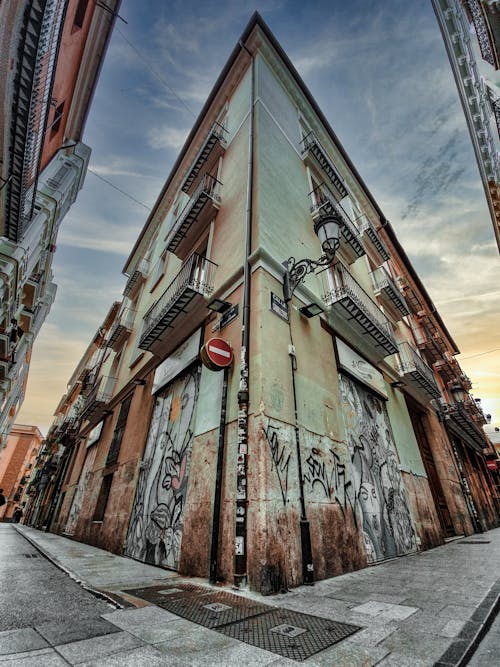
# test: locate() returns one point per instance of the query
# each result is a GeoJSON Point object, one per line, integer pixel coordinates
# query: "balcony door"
{"type": "Point", "coordinates": [379, 491]}
{"type": "Point", "coordinates": [155, 530]}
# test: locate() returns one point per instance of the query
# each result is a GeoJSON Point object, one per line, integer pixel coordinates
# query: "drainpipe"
{"type": "Point", "coordinates": [214, 547]}
{"type": "Point", "coordinates": [305, 530]}
{"type": "Point", "coordinates": [240, 547]}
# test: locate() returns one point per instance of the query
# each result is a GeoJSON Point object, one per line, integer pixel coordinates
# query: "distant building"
{"type": "Point", "coordinates": [471, 33]}
{"type": "Point", "coordinates": [17, 460]}
{"type": "Point", "coordinates": [341, 434]}
{"type": "Point", "coordinates": [50, 56]}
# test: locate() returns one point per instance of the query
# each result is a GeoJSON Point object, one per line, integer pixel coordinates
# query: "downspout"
{"type": "Point", "coordinates": [240, 546]}
{"type": "Point", "coordinates": [214, 547]}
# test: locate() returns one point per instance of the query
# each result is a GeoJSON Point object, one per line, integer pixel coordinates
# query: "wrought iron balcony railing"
{"type": "Point", "coordinates": [352, 303]}
{"type": "Point", "coordinates": [384, 285]}
{"type": "Point", "coordinates": [213, 146]}
{"type": "Point", "coordinates": [459, 413]}
{"type": "Point", "coordinates": [312, 146]}
{"type": "Point", "coordinates": [198, 210]}
{"type": "Point", "coordinates": [369, 232]}
{"type": "Point", "coordinates": [140, 272]}
{"type": "Point", "coordinates": [412, 366]}
{"type": "Point", "coordinates": [323, 203]}
{"type": "Point", "coordinates": [195, 278]}
{"type": "Point", "coordinates": [121, 329]}
{"type": "Point", "coordinates": [99, 396]}
{"type": "Point", "coordinates": [482, 32]}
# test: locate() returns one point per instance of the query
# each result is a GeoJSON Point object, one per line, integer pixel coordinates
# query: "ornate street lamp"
{"type": "Point", "coordinates": [458, 393]}
{"type": "Point", "coordinates": [327, 229]}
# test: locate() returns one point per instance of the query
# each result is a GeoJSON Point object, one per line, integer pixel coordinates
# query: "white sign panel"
{"type": "Point", "coordinates": [360, 369]}
{"type": "Point", "coordinates": [177, 361]}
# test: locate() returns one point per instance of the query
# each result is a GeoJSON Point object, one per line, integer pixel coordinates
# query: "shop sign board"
{"type": "Point", "coordinates": [177, 361]}
{"type": "Point", "coordinates": [360, 369]}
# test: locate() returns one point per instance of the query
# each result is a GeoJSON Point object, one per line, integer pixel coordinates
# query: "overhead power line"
{"type": "Point", "coordinates": [154, 72]}
{"type": "Point", "coordinates": [480, 354]}
{"type": "Point", "coordinates": [125, 194]}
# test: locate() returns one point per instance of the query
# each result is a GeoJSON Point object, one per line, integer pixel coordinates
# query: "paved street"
{"type": "Point", "coordinates": [419, 611]}
{"type": "Point", "coordinates": [488, 652]}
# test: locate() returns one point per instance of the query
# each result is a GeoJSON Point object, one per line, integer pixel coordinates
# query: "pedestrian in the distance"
{"type": "Point", "coordinates": [17, 516]}
{"type": "Point", "coordinates": [2, 498]}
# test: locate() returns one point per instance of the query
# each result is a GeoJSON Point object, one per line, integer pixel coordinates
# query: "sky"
{"type": "Point", "coordinates": [378, 70]}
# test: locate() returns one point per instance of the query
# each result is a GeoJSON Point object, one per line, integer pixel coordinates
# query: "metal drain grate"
{"type": "Point", "coordinates": [475, 542]}
{"type": "Point", "coordinates": [158, 594]}
{"type": "Point", "coordinates": [30, 555]}
{"type": "Point", "coordinates": [289, 633]}
{"type": "Point", "coordinates": [286, 633]}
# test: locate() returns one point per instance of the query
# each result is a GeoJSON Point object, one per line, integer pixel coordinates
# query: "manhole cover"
{"type": "Point", "coordinates": [289, 633]}
{"type": "Point", "coordinates": [212, 611]}
{"type": "Point", "coordinates": [157, 594]}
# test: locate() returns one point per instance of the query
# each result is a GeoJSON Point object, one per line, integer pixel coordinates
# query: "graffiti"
{"type": "Point", "coordinates": [77, 502]}
{"type": "Point", "coordinates": [378, 486]}
{"type": "Point", "coordinates": [326, 471]}
{"type": "Point", "coordinates": [281, 458]}
{"type": "Point", "coordinates": [155, 531]}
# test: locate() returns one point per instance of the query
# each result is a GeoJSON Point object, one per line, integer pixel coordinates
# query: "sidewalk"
{"type": "Point", "coordinates": [420, 610]}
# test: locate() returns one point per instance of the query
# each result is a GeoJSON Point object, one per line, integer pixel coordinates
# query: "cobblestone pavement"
{"type": "Point", "coordinates": [420, 610]}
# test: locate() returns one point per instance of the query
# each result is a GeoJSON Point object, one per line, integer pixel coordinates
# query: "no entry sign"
{"type": "Point", "coordinates": [216, 354]}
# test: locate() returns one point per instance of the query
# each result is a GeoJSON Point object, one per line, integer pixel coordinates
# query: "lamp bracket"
{"type": "Point", "coordinates": [297, 270]}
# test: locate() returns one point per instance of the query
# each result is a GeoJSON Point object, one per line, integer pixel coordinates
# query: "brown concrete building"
{"type": "Point", "coordinates": [340, 433]}
{"type": "Point", "coordinates": [17, 459]}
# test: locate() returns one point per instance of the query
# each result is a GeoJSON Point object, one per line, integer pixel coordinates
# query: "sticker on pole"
{"type": "Point", "coordinates": [216, 354]}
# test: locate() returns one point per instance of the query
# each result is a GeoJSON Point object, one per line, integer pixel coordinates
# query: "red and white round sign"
{"type": "Point", "coordinates": [217, 353]}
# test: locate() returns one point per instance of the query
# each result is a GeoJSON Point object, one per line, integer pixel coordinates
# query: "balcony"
{"type": "Point", "coordinates": [212, 148]}
{"type": "Point", "coordinates": [195, 216]}
{"type": "Point", "coordinates": [312, 148]}
{"type": "Point", "coordinates": [352, 303]}
{"type": "Point", "coordinates": [411, 366]}
{"type": "Point", "coordinates": [372, 237]}
{"type": "Point", "coordinates": [461, 424]}
{"type": "Point", "coordinates": [179, 304]}
{"type": "Point", "coordinates": [139, 273]}
{"type": "Point", "coordinates": [121, 329]}
{"type": "Point", "coordinates": [486, 45]}
{"type": "Point", "coordinates": [388, 292]}
{"type": "Point", "coordinates": [98, 397]}
{"type": "Point", "coordinates": [323, 203]}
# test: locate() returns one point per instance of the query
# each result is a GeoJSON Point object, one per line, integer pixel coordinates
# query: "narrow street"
{"type": "Point", "coordinates": [41, 605]}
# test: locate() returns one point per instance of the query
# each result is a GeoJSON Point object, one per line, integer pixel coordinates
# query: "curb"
{"type": "Point", "coordinates": [464, 646]}
{"type": "Point", "coordinates": [94, 591]}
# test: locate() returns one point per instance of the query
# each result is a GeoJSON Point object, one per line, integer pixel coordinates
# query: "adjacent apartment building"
{"type": "Point", "coordinates": [276, 398]}
{"type": "Point", "coordinates": [16, 464]}
{"type": "Point", "coordinates": [471, 33]}
{"type": "Point", "coordinates": [50, 55]}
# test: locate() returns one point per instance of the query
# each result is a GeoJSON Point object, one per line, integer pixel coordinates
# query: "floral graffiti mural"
{"type": "Point", "coordinates": [155, 531]}
{"type": "Point", "coordinates": [380, 497]}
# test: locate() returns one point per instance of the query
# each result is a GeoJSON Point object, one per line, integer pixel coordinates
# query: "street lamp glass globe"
{"type": "Point", "coordinates": [328, 230]}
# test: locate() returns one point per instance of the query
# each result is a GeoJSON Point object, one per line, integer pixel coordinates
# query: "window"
{"type": "Point", "coordinates": [159, 269]}
{"type": "Point", "coordinates": [116, 441]}
{"type": "Point", "coordinates": [80, 13]}
{"type": "Point", "coordinates": [56, 123]}
{"type": "Point", "coordinates": [102, 500]}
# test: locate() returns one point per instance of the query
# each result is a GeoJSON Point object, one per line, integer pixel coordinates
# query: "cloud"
{"type": "Point", "coordinates": [165, 136]}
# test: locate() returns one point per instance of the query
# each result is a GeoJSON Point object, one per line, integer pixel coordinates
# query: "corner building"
{"type": "Point", "coordinates": [324, 446]}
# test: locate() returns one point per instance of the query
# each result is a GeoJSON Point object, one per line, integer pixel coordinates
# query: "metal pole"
{"type": "Point", "coordinates": [214, 547]}
{"type": "Point", "coordinates": [240, 538]}
{"type": "Point", "coordinates": [305, 530]}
